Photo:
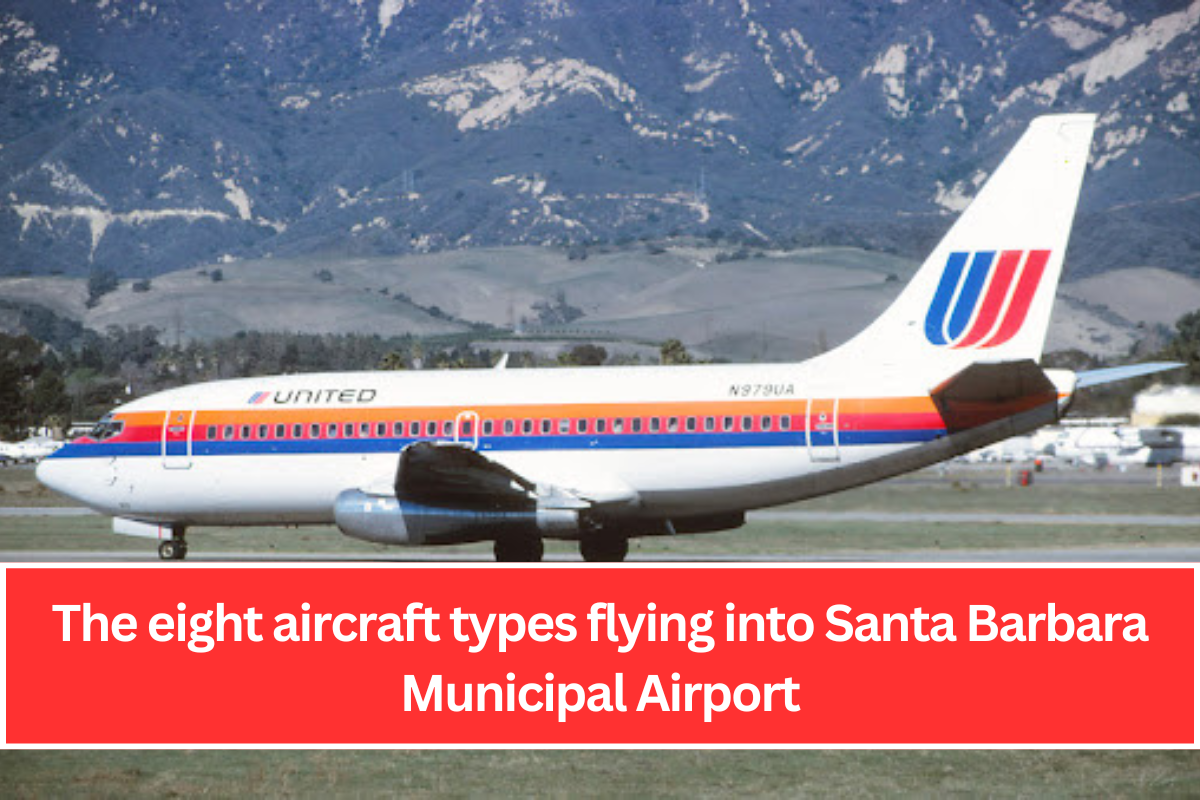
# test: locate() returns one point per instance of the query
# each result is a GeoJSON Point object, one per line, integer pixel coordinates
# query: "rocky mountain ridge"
{"type": "Point", "coordinates": [149, 136]}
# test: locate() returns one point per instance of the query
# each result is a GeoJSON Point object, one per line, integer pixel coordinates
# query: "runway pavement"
{"type": "Point", "coordinates": [1121, 554]}
{"type": "Point", "coordinates": [922, 517]}
{"type": "Point", "coordinates": [1082, 555]}
{"type": "Point", "coordinates": [974, 518]}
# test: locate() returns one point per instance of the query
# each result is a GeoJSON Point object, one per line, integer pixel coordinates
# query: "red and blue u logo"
{"type": "Point", "coordinates": [969, 310]}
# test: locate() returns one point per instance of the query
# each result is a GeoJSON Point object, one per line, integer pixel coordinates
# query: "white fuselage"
{"type": "Point", "coordinates": [637, 442]}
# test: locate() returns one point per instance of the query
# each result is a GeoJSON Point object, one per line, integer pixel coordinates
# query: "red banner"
{"type": "Point", "coordinates": [599, 655]}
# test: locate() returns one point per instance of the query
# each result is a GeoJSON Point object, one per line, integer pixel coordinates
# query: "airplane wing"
{"type": "Point", "coordinates": [449, 475]}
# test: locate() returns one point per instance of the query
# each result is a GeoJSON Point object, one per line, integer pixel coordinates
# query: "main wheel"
{"type": "Point", "coordinates": [601, 549]}
{"type": "Point", "coordinates": [169, 550]}
{"type": "Point", "coordinates": [519, 549]}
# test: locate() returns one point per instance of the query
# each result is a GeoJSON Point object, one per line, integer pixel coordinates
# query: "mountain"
{"type": "Point", "coordinates": [144, 136]}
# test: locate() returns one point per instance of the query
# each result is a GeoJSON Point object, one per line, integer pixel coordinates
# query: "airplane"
{"type": "Point", "coordinates": [602, 455]}
{"type": "Point", "coordinates": [1122, 445]}
{"type": "Point", "coordinates": [28, 451]}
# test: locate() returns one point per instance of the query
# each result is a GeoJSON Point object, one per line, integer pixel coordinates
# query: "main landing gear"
{"type": "Point", "coordinates": [604, 548]}
{"type": "Point", "coordinates": [519, 549]}
{"type": "Point", "coordinates": [173, 549]}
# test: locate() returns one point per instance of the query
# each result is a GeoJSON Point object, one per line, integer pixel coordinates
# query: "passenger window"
{"type": "Point", "coordinates": [526, 426]}
{"type": "Point", "coordinates": [672, 424]}
{"type": "Point", "coordinates": [765, 423]}
{"type": "Point", "coordinates": [331, 431]}
{"type": "Point", "coordinates": [228, 433]}
{"type": "Point", "coordinates": [397, 429]}
{"type": "Point", "coordinates": [727, 424]}
{"type": "Point", "coordinates": [348, 430]}
{"type": "Point", "coordinates": [564, 426]}
{"type": "Point", "coordinates": [297, 431]}
{"type": "Point", "coordinates": [618, 425]}
{"type": "Point", "coordinates": [655, 424]}
{"type": "Point", "coordinates": [364, 429]}
{"type": "Point", "coordinates": [431, 428]}
{"type": "Point", "coordinates": [245, 431]}
{"type": "Point", "coordinates": [581, 426]}
{"type": "Point", "coordinates": [601, 425]}
{"type": "Point", "coordinates": [747, 423]}
{"type": "Point", "coordinates": [280, 431]}
{"type": "Point", "coordinates": [509, 427]}
{"type": "Point", "coordinates": [545, 427]}
{"type": "Point", "coordinates": [262, 431]}
{"type": "Point", "coordinates": [466, 428]}
{"type": "Point", "coordinates": [637, 425]}
{"type": "Point", "coordinates": [211, 433]}
{"type": "Point", "coordinates": [381, 429]}
{"type": "Point", "coordinates": [691, 425]}
{"type": "Point", "coordinates": [710, 424]}
{"type": "Point", "coordinates": [414, 429]}
{"type": "Point", "coordinates": [314, 431]}
{"type": "Point", "coordinates": [447, 429]}
{"type": "Point", "coordinates": [487, 427]}
{"type": "Point", "coordinates": [785, 423]}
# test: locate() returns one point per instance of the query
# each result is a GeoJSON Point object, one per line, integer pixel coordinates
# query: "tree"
{"type": "Point", "coordinates": [1185, 347]}
{"type": "Point", "coordinates": [100, 282]}
{"type": "Point", "coordinates": [673, 352]}
{"type": "Point", "coordinates": [584, 355]}
{"type": "Point", "coordinates": [47, 398]}
{"type": "Point", "coordinates": [393, 360]}
{"type": "Point", "coordinates": [12, 406]}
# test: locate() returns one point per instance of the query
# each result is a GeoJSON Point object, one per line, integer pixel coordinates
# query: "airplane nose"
{"type": "Point", "coordinates": [49, 473]}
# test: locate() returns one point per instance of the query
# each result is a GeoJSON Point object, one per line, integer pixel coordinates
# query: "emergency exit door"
{"type": "Point", "coordinates": [177, 439]}
{"type": "Point", "coordinates": [821, 430]}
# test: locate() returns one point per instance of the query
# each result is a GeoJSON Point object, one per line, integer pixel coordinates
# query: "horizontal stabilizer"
{"type": "Point", "coordinates": [1097, 377]}
{"type": "Point", "coordinates": [985, 392]}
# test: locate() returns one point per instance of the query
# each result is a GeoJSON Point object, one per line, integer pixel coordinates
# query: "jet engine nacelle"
{"type": "Point", "coordinates": [387, 520]}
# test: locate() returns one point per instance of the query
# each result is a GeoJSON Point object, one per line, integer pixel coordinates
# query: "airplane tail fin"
{"type": "Point", "coordinates": [986, 291]}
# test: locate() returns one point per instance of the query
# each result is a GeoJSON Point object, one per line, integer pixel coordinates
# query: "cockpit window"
{"type": "Point", "coordinates": [107, 428]}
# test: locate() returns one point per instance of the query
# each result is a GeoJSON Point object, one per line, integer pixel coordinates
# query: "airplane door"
{"type": "Point", "coordinates": [821, 430]}
{"type": "Point", "coordinates": [177, 439]}
{"type": "Point", "coordinates": [466, 429]}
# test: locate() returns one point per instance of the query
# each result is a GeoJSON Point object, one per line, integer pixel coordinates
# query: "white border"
{"type": "Point", "coordinates": [5, 745]}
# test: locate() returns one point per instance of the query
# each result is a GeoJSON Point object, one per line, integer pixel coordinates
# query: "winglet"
{"type": "Point", "coordinates": [1097, 377]}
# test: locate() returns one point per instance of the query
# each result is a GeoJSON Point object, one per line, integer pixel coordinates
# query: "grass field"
{"type": "Point", "coordinates": [1011, 773]}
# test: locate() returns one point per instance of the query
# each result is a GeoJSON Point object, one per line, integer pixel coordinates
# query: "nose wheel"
{"type": "Point", "coordinates": [173, 549]}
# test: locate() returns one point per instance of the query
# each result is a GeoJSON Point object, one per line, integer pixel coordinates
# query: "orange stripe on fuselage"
{"type": "Point", "coordinates": [883, 406]}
